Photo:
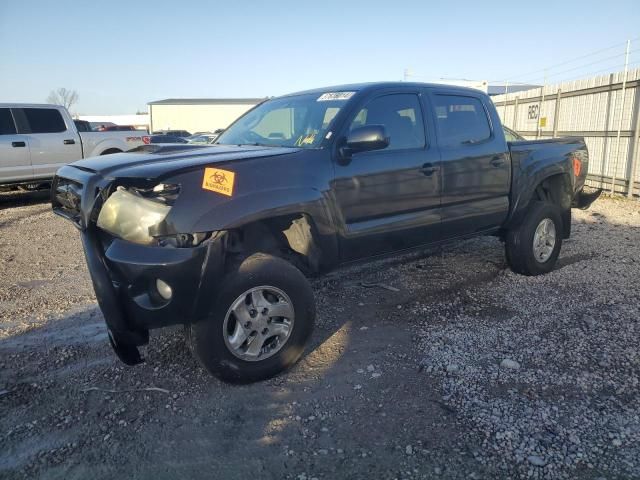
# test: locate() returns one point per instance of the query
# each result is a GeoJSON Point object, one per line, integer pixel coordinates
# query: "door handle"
{"type": "Point", "coordinates": [18, 144]}
{"type": "Point", "coordinates": [497, 161]}
{"type": "Point", "coordinates": [428, 169]}
{"type": "Point", "coordinates": [69, 141]}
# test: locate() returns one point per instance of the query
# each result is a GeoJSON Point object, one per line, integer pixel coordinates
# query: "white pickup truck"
{"type": "Point", "coordinates": [36, 140]}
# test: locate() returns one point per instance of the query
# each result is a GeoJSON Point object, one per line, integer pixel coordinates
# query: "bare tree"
{"type": "Point", "coordinates": [63, 97]}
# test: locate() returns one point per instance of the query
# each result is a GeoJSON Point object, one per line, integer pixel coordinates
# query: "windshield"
{"type": "Point", "coordinates": [298, 121]}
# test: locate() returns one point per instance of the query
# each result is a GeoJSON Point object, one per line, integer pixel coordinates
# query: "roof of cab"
{"type": "Point", "coordinates": [363, 87]}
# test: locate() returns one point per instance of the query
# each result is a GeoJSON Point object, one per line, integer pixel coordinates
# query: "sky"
{"type": "Point", "coordinates": [119, 55]}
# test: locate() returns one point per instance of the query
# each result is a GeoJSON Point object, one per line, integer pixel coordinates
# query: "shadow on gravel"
{"type": "Point", "coordinates": [16, 198]}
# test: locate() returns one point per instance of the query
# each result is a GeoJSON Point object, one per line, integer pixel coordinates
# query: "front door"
{"type": "Point", "coordinates": [15, 164]}
{"type": "Point", "coordinates": [389, 199]}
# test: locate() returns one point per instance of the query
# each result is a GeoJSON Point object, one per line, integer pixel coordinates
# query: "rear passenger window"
{"type": "Point", "coordinates": [45, 120]}
{"type": "Point", "coordinates": [460, 120]}
{"type": "Point", "coordinates": [401, 116]}
{"type": "Point", "coordinates": [7, 127]}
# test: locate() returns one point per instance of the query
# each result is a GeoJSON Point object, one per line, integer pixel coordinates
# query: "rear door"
{"type": "Point", "coordinates": [389, 199]}
{"type": "Point", "coordinates": [15, 162]}
{"type": "Point", "coordinates": [52, 141]}
{"type": "Point", "coordinates": [476, 169]}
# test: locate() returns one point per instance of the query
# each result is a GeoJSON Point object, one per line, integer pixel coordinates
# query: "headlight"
{"type": "Point", "coordinates": [132, 217]}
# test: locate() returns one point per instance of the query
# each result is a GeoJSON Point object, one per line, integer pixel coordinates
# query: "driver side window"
{"type": "Point", "coordinates": [401, 116]}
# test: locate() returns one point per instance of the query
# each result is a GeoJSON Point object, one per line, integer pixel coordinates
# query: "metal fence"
{"type": "Point", "coordinates": [605, 110]}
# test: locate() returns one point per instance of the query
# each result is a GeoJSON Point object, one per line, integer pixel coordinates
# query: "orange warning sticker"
{"type": "Point", "coordinates": [217, 180]}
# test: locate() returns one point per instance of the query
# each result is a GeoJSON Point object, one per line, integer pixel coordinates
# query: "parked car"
{"type": "Point", "coordinates": [117, 128]}
{"type": "Point", "coordinates": [99, 126]}
{"type": "Point", "coordinates": [35, 140]}
{"type": "Point", "coordinates": [173, 133]}
{"type": "Point", "coordinates": [164, 139]}
{"type": "Point", "coordinates": [220, 238]}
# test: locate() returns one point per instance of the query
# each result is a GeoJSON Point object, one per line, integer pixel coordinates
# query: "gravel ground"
{"type": "Point", "coordinates": [468, 371]}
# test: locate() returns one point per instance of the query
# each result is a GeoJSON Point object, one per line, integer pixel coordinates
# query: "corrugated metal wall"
{"type": "Point", "coordinates": [593, 108]}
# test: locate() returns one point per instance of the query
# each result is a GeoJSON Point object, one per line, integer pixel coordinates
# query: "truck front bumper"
{"type": "Point", "coordinates": [125, 276]}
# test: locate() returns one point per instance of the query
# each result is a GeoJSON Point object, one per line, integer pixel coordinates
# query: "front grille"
{"type": "Point", "coordinates": [66, 199]}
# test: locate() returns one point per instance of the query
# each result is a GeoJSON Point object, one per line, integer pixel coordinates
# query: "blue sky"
{"type": "Point", "coordinates": [119, 55]}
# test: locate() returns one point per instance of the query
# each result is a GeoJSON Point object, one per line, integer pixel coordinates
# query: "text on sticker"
{"type": "Point", "coordinates": [329, 96]}
{"type": "Point", "coordinates": [218, 180]}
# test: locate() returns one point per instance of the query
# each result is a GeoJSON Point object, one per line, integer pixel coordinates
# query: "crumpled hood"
{"type": "Point", "coordinates": [157, 160]}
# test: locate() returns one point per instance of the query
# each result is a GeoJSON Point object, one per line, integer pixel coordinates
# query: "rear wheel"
{"type": "Point", "coordinates": [260, 321]}
{"type": "Point", "coordinates": [532, 248]}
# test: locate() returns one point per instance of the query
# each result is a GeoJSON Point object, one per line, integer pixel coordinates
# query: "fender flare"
{"type": "Point", "coordinates": [308, 209]}
{"type": "Point", "coordinates": [523, 194]}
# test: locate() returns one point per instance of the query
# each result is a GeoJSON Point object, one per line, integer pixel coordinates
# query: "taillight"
{"type": "Point", "coordinates": [146, 139]}
{"type": "Point", "coordinates": [577, 166]}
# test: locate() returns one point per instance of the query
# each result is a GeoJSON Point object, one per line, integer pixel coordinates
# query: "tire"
{"type": "Point", "coordinates": [274, 280]}
{"type": "Point", "coordinates": [519, 246]}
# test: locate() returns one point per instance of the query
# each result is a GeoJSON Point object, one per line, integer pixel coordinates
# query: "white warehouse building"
{"type": "Point", "coordinates": [197, 114]}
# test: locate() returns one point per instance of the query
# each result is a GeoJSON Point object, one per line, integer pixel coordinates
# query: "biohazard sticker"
{"type": "Point", "coordinates": [217, 180]}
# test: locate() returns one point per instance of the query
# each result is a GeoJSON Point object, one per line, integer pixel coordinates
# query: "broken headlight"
{"type": "Point", "coordinates": [134, 215]}
{"type": "Point", "coordinates": [137, 215]}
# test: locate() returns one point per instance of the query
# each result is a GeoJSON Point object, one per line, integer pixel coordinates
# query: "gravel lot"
{"type": "Point", "coordinates": [468, 371]}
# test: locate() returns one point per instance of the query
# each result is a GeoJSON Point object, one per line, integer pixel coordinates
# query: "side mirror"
{"type": "Point", "coordinates": [367, 138]}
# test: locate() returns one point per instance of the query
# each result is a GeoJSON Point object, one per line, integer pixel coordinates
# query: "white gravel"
{"type": "Point", "coordinates": [546, 369]}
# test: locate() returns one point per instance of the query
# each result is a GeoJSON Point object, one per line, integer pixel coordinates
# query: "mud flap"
{"type": "Point", "coordinates": [583, 200]}
{"type": "Point", "coordinates": [127, 353]}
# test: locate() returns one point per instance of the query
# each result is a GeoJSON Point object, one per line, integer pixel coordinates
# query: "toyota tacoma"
{"type": "Point", "coordinates": [222, 238]}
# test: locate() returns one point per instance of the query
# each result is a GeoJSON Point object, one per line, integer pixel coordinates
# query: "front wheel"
{"type": "Point", "coordinates": [532, 248]}
{"type": "Point", "coordinates": [259, 322]}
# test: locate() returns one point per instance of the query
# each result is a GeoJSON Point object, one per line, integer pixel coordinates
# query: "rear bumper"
{"type": "Point", "coordinates": [124, 279]}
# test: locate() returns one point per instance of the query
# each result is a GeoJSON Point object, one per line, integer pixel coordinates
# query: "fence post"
{"type": "Point", "coordinates": [633, 147]}
{"type": "Point", "coordinates": [504, 110]}
{"type": "Point", "coordinates": [624, 86]}
{"type": "Point", "coordinates": [556, 114]}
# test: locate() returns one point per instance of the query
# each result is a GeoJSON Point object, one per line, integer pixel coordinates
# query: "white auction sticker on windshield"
{"type": "Point", "coordinates": [330, 96]}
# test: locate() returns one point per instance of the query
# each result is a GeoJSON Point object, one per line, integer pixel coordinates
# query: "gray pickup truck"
{"type": "Point", "coordinates": [221, 238]}
{"type": "Point", "coordinates": [36, 140]}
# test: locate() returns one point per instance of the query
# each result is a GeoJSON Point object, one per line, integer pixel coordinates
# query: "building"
{"type": "Point", "coordinates": [197, 114]}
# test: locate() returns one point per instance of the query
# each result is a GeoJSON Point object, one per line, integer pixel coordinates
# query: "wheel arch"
{"type": "Point", "coordinates": [552, 186]}
{"type": "Point", "coordinates": [109, 151]}
{"type": "Point", "coordinates": [292, 236]}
